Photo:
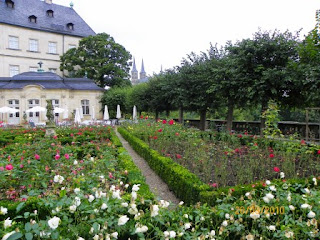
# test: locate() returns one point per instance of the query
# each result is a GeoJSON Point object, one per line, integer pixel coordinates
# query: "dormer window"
{"type": "Point", "coordinates": [33, 19]}
{"type": "Point", "coordinates": [50, 13]}
{"type": "Point", "coordinates": [10, 3]}
{"type": "Point", "coordinates": [70, 26]}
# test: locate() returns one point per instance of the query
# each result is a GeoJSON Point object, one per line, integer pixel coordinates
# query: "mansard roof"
{"type": "Point", "coordinates": [58, 23]}
{"type": "Point", "coordinates": [48, 80]}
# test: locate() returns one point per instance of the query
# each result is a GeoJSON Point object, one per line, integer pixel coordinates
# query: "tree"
{"type": "Point", "coordinates": [100, 58]}
{"type": "Point", "coordinates": [262, 66]}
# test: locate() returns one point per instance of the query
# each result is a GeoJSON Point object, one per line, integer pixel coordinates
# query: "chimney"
{"type": "Point", "coordinates": [48, 1]}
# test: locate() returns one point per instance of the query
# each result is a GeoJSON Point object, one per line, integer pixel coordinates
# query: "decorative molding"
{"type": "Point", "coordinates": [71, 96]}
{"type": "Point", "coordinates": [43, 96]}
{"type": "Point", "coordinates": [22, 96]}
{"type": "Point", "coordinates": [63, 96]}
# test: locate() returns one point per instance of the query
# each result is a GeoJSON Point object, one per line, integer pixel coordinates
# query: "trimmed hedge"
{"type": "Point", "coordinates": [186, 185]}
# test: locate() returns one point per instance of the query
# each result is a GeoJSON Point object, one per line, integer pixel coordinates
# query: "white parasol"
{"type": "Point", "coordinates": [36, 109]}
{"type": "Point", "coordinates": [118, 112]}
{"type": "Point", "coordinates": [106, 113]}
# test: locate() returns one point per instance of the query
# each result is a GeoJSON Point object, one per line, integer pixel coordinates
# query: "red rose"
{"type": "Point", "coordinates": [276, 169]}
{"type": "Point", "coordinates": [164, 121]}
{"type": "Point", "coordinates": [271, 155]}
{"type": "Point", "coordinates": [171, 122]}
{"type": "Point", "coordinates": [178, 156]}
{"type": "Point", "coordinates": [9, 167]}
{"type": "Point", "coordinates": [160, 130]}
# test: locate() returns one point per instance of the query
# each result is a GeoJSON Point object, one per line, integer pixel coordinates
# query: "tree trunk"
{"type": "Point", "coordinates": [167, 113]}
{"type": "Point", "coordinates": [230, 116]}
{"type": "Point", "coordinates": [264, 107]}
{"type": "Point", "coordinates": [203, 114]}
{"type": "Point", "coordinates": [157, 115]}
{"type": "Point", "coordinates": [181, 114]}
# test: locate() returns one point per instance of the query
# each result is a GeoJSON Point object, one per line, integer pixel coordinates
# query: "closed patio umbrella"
{"type": "Point", "coordinates": [134, 114]}
{"type": "Point", "coordinates": [106, 113]}
{"type": "Point", "coordinates": [118, 112]}
{"type": "Point", "coordinates": [77, 118]}
{"type": "Point", "coordinates": [93, 114]}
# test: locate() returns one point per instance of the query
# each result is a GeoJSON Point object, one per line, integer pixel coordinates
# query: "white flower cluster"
{"type": "Point", "coordinates": [58, 179]}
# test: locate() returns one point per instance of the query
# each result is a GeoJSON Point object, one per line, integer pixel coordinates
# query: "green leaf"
{"type": "Point", "coordinates": [20, 206]}
{"type": "Point", "coordinates": [15, 236]}
{"type": "Point", "coordinates": [27, 227]}
{"type": "Point", "coordinates": [29, 236]}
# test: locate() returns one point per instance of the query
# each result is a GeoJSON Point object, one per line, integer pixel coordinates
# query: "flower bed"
{"type": "Point", "coordinates": [106, 198]}
{"type": "Point", "coordinates": [221, 159]}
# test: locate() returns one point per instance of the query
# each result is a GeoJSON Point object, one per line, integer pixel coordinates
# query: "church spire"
{"type": "Point", "coordinates": [134, 73]}
{"type": "Point", "coordinates": [142, 72]}
{"type": "Point", "coordinates": [134, 69]}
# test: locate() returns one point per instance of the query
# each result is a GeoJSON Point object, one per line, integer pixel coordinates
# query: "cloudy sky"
{"type": "Point", "coordinates": [163, 32]}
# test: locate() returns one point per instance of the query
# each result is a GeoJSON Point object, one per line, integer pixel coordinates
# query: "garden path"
{"type": "Point", "coordinates": [156, 184]}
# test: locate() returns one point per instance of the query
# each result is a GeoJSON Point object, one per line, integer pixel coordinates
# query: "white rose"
{"type": "Point", "coordinates": [172, 234]}
{"type": "Point", "coordinates": [272, 228]}
{"type": "Point", "coordinates": [185, 216]}
{"type": "Point", "coordinates": [76, 190]}
{"type": "Point", "coordinates": [247, 194]}
{"type": "Point", "coordinates": [266, 199]}
{"type": "Point", "coordinates": [311, 214]}
{"type": "Point", "coordinates": [273, 188]}
{"type": "Point", "coordinates": [123, 220]}
{"type": "Point", "coordinates": [268, 182]}
{"type": "Point", "coordinates": [270, 196]}
{"type": "Point", "coordinates": [124, 204]}
{"type": "Point", "coordinates": [255, 215]}
{"type": "Point", "coordinates": [3, 210]}
{"type": "Point", "coordinates": [154, 210]}
{"type": "Point", "coordinates": [212, 233]}
{"type": "Point", "coordinates": [54, 222]}
{"type": "Point", "coordinates": [314, 181]}
{"type": "Point", "coordinates": [72, 208]}
{"type": "Point", "coordinates": [96, 237]}
{"type": "Point", "coordinates": [305, 205]}
{"type": "Point", "coordinates": [164, 204]}
{"type": "Point", "coordinates": [224, 223]}
{"type": "Point", "coordinates": [307, 191]}
{"type": "Point", "coordinates": [114, 235]}
{"type": "Point", "coordinates": [292, 208]}
{"type": "Point", "coordinates": [104, 206]}
{"type": "Point", "coordinates": [7, 223]}
{"type": "Point", "coordinates": [181, 203]}
{"type": "Point", "coordinates": [77, 201]}
{"type": "Point", "coordinates": [75, 162]}
{"type": "Point", "coordinates": [227, 215]}
{"type": "Point", "coordinates": [116, 194]}
{"type": "Point", "coordinates": [91, 198]}
{"type": "Point", "coordinates": [135, 187]}
{"type": "Point", "coordinates": [282, 175]}
{"type": "Point", "coordinates": [58, 179]}
{"type": "Point", "coordinates": [134, 195]}
{"type": "Point", "coordinates": [80, 238]}
{"type": "Point", "coordinates": [187, 226]}
{"type": "Point", "coordinates": [166, 234]}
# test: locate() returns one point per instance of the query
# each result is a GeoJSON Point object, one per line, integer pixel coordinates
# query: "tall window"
{"type": "Point", "coordinates": [14, 103]}
{"type": "Point", "coordinates": [13, 70]}
{"type": "Point", "coordinates": [85, 106]}
{"type": "Point", "coordinates": [13, 42]}
{"type": "Point", "coordinates": [52, 47]}
{"type": "Point", "coordinates": [33, 45]}
{"type": "Point", "coordinates": [33, 69]}
{"type": "Point", "coordinates": [55, 103]}
{"type": "Point", "coordinates": [32, 103]}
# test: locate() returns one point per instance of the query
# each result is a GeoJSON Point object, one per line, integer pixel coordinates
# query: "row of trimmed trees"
{"type": "Point", "coordinates": [270, 66]}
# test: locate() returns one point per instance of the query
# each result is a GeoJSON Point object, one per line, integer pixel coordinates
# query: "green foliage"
{"type": "Point", "coordinates": [101, 59]}
{"type": "Point", "coordinates": [272, 118]}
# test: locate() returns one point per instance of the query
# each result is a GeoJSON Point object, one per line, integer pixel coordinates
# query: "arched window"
{"type": "Point", "coordinates": [33, 19]}
{"type": "Point", "coordinates": [85, 106]}
{"type": "Point", "coordinates": [10, 3]}
{"type": "Point", "coordinates": [70, 26]}
{"type": "Point", "coordinates": [50, 13]}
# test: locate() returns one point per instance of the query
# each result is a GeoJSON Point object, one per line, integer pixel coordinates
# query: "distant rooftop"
{"type": "Point", "coordinates": [43, 16]}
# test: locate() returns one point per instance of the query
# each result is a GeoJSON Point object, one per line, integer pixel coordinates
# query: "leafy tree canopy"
{"type": "Point", "coordinates": [100, 58]}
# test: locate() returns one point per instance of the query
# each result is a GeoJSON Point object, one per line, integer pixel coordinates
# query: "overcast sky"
{"type": "Point", "coordinates": [163, 32]}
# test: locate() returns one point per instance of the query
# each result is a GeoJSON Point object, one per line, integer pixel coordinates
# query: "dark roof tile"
{"type": "Point", "coordinates": [23, 9]}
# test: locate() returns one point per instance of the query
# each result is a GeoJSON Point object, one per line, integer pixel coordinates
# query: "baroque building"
{"type": "Point", "coordinates": [37, 30]}
{"type": "Point", "coordinates": [135, 79]}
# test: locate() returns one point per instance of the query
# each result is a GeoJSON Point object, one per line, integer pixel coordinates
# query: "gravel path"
{"type": "Point", "coordinates": [157, 186]}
